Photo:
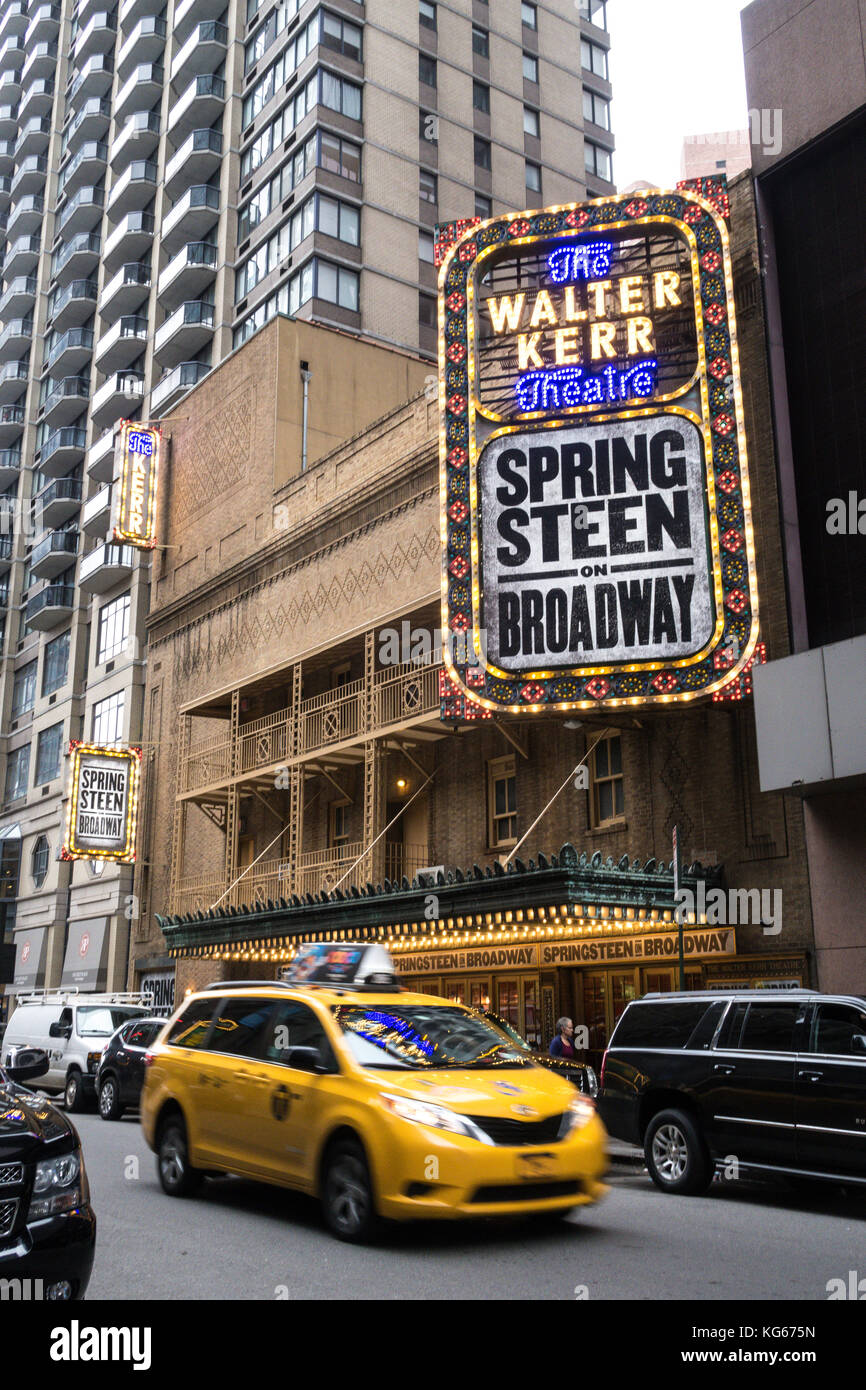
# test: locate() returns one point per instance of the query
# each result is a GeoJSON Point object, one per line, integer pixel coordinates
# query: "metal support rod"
{"type": "Point", "coordinates": [576, 767]}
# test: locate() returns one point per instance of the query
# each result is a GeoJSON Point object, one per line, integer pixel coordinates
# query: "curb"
{"type": "Point", "coordinates": [626, 1158]}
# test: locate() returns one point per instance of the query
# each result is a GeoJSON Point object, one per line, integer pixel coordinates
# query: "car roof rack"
{"type": "Point", "coordinates": [73, 993]}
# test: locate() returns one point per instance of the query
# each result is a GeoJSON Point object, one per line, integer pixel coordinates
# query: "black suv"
{"type": "Point", "coordinates": [47, 1226]}
{"type": "Point", "coordinates": [121, 1068]}
{"type": "Point", "coordinates": [775, 1079]}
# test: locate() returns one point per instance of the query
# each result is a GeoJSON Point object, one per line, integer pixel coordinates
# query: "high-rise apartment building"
{"type": "Point", "coordinates": [171, 177]}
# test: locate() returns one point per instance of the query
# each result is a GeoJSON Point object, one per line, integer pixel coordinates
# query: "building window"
{"type": "Point", "coordinates": [428, 187]}
{"type": "Point", "coordinates": [39, 861]}
{"type": "Point", "coordinates": [427, 310]}
{"type": "Point", "coordinates": [530, 67]}
{"type": "Point", "coordinates": [48, 750]}
{"type": "Point", "coordinates": [55, 664]}
{"type": "Point", "coordinates": [480, 41]}
{"type": "Point", "coordinates": [341, 96]}
{"type": "Point", "coordinates": [481, 97]}
{"type": "Point", "coordinates": [24, 690]}
{"type": "Point", "coordinates": [340, 35]}
{"type": "Point", "coordinates": [482, 154]}
{"type": "Point", "coordinates": [338, 831]}
{"type": "Point", "coordinates": [426, 70]}
{"type": "Point", "coordinates": [113, 631]}
{"type": "Point", "coordinates": [340, 156]}
{"type": "Point", "coordinates": [533, 177]}
{"type": "Point", "coordinates": [595, 11]}
{"type": "Point", "coordinates": [530, 122]}
{"type": "Point", "coordinates": [596, 108]}
{"type": "Point", "coordinates": [501, 802]}
{"type": "Point", "coordinates": [606, 795]}
{"type": "Point", "coordinates": [529, 16]}
{"type": "Point", "coordinates": [337, 285]}
{"type": "Point", "coordinates": [425, 247]}
{"type": "Point", "coordinates": [17, 770]}
{"type": "Point", "coordinates": [593, 57]}
{"type": "Point", "coordinates": [108, 719]}
{"type": "Point", "coordinates": [483, 206]}
{"type": "Point", "coordinates": [427, 14]}
{"type": "Point", "coordinates": [596, 160]}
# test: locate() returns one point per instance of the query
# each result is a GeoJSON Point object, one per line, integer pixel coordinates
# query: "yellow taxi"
{"type": "Point", "coordinates": [380, 1102]}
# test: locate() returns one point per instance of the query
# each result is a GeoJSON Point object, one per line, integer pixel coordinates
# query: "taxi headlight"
{"type": "Point", "coordinates": [578, 1114]}
{"type": "Point", "coordinates": [421, 1112]}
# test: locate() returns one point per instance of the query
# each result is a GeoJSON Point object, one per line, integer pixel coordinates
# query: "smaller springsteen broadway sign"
{"type": "Point", "coordinates": [103, 803]}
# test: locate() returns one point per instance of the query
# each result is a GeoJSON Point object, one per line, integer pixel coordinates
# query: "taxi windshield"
{"type": "Point", "coordinates": [424, 1035]}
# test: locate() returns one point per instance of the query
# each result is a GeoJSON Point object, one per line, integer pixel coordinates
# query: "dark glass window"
{"type": "Point", "coordinates": [667, 1024]}
{"type": "Point", "coordinates": [482, 153]}
{"type": "Point", "coordinates": [530, 67]}
{"type": "Point", "coordinates": [481, 97]}
{"type": "Point", "coordinates": [427, 14]}
{"type": "Point", "coordinates": [769, 1028]}
{"type": "Point", "coordinates": [529, 16]}
{"type": "Point", "coordinates": [39, 861]}
{"type": "Point", "coordinates": [480, 41]}
{"type": "Point", "coordinates": [427, 310]}
{"type": "Point", "coordinates": [241, 1027]}
{"type": "Point", "coordinates": [48, 754]}
{"type": "Point", "coordinates": [533, 177]}
{"type": "Point", "coordinates": [55, 664]}
{"type": "Point", "coordinates": [840, 1030]}
{"type": "Point", "coordinates": [483, 206]}
{"type": "Point", "coordinates": [191, 1027]}
{"type": "Point", "coordinates": [140, 1034]}
{"type": "Point", "coordinates": [24, 689]}
{"type": "Point", "coordinates": [17, 769]}
{"type": "Point", "coordinates": [428, 186]}
{"type": "Point", "coordinates": [426, 70]}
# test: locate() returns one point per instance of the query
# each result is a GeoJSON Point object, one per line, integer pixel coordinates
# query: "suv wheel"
{"type": "Point", "coordinates": [176, 1174]}
{"type": "Point", "coordinates": [110, 1107]}
{"type": "Point", "coordinates": [73, 1094]}
{"type": "Point", "coordinates": [676, 1155]}
{"type": "Point", "coordinates": [347, 1193]}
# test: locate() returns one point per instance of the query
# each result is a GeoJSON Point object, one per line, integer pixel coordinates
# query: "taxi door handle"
{"type": "Point", "coordinates": [250, 1076]}
{"type": "Point", "coordinates": [810, 1075]}
{"type": "Point", "coordinates": [205, 1078]}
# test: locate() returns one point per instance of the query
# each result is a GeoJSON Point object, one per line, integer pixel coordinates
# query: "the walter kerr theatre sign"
{"type": "Point", "coordinates": [596, 515]}
{"type": "Point", "coordinates": [103, 803]}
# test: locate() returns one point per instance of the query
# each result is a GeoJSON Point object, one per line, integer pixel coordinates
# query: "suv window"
{"type": "Point", "coordinates": [665, 1024]}
{"type": "Point", "coordinates": [840, 1030]}
{"type": "Point", "coordinates": [191, 1027]}
{"type": "Point", "coordinates": [241, 1026]}
{"type": "Point", "coordinates": [138, 1034]}
{"type": "Point", "coordinates": [769, 1028]}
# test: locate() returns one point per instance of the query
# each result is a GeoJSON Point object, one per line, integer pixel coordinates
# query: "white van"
{"type": "Point", "coordinates": [73, 1028]}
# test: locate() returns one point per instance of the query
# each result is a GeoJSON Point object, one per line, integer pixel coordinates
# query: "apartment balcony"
{"type": "Point", "coordinates": [54, 554]}
{"type": "Point", "coordinates": [197, 107]}
{"type": "Point", "coordinates": [100, 457]}
{"type": "Point", "coordinates": [192, 11]}
{"type": "Point", "coordinates": [12, 53]}
{"type": "Point", "coordinates": [25, 217]}
{"type": "Point", "coordinates": [18, 298]}
{"type": "Point", "coordinates": [188, 274]}
{"type": "Point", "coordinates": [10, 85]}
{"type": "Point", "coordinates": [72, 305]}
{"type": "Point", "coordinates": [71, 352]}
{"type": "Point", "coordinates": [10, 466]}
{"type": "Point", "coordinates": [137, 140]}
{"type": "Point", "coordinates": [135, 188]}
{"type": "Point", "coordinates": [49, 608]}
{"type": "Point", "coordinates": [14, 20]}
{"type": "Point", "coordinates": [133, 10]}
{"type": "Point", "coordinates": [44, 25]}
{"type": "Point", "coordinates": [87, 166]}
{"type": "Point", "coordinates": [5, 190]}
{"type": "Point", "coordinates": [94, 79]}
{"type": "Point", "coordinates": [204, 51]}
{"type": "Point", "coordinates": [58, 501]}
{"type": "Point", "coordinates": [105, 567]}
{"type": "Point", "coordinates": [116, 397]}
{"type": "Point", "coordinates": [12, 419]}
{"type": "Point", "coordinates": [4, 595]}
{"type": "Point", "coordinates": [8, 120]}
{"type": "Point", "coordinates": [126, 291]}
{"type": "Point", "coordinates": [40, 63]}
{"type": "Point", "coordinates": [22, 257]}
{"type": "Point", "coordinates": [33, 137]}
{"type": "Point", "coordinates": [185, 332]}
{"type": "Point", "coordinates": [90, 122]}
{"type": "Point", "coordinates": [96, 513]}
{"type": "Point", "coordinates": [62, 451]}
{"type": "Point", "coordinates": [145, 44]}
{"type": "Point", "coordinates": [97, 36]}
{"type": "Point", "coordinates": [196, 161]}
{"type": "Point", "coordinates": [67, 401]}
{"type": "Point", "coordinates": [30, 175]}
{"type": "Point", "coordinates": [13, 380]}
{"type": "Point", "coordinates": [175, 384]}
{"type": "Point", "coordinates": [7, 545]}
{"type": "Point", "coordinates": [131, 239]}
{"type": "Point", "coordinates": [195, 214]}
{"type": "Point", "coordinates": [77, 258]}
{"type": "Point", "coordinates": [83, 212]}
{"type": "Point", "coordinates": [7, 156]}
{"type": "Point", "coordinates": [122, 344]}
{"type": "Point", "coordinates": [37, 100]}
{"type": "Point", "coordinates": [15, 339]}
{"type": "Point", "coordinates": [142, 89]}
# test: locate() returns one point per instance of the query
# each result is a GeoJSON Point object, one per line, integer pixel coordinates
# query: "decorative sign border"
{"type": "Point", "coordinates": [145, 537]}
{"type": "Point", "coordinates": [70, 849]}
{"type": "Point", "coordinates": [729, 505]}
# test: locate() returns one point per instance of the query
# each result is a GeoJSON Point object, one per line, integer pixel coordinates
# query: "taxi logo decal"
{"type": "Point", "coordinates": [281, 1101]}
{"type": "Point", "coordinates": [523, 1110]}
{"type": "Point", "coordinates": [506, 1088]}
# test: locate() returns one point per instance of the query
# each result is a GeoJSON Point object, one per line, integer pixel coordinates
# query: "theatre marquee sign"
{"type": "Point", "coordinates": [698, 944]}
{"type": "Point", "coordinates": [103, 803]}
{"type": "Point", "coordinates": [596, 518]}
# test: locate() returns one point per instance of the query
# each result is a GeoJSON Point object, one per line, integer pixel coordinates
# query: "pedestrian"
{"type": "Point", "coordinates": [562, 1045]}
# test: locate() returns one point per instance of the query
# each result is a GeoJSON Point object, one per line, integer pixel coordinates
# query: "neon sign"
{"type": "Point", "coordinates": [135, 506]}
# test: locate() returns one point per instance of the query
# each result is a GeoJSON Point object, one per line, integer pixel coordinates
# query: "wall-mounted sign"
{"type": "Point", "coordinates": [103, 803]}
{"type": "Point", "coordinates": [596, 518]}
{"type": "Point", "coordinates": [590, 950]}
{"type": "Point", "coordinates": [138, 450]}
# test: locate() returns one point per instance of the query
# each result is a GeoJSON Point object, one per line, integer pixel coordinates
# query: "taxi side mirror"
{"type": "Point", "coordinates": [306, 1059]}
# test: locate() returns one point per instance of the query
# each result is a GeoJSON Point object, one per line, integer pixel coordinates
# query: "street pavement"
{"type": "Point", "coordinates": [244, 1240]}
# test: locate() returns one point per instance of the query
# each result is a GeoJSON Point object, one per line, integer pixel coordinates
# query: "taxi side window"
{"type": "Point", "coordinates": [840, 1031]}
{"type": "Point", "coordinates": [242, 1027]}
{"type": "Point", "coordinates": [190, 1029]}
{"type": "Point", "coordinates": [295, 1025]}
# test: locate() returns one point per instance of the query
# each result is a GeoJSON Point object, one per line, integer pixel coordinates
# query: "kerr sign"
{"type": "Point", "coordinates": [596, 515]}
{"type": "Point", "coordinates": [103, 803]}
{"type": "Point", "coordinates": [138, 447]}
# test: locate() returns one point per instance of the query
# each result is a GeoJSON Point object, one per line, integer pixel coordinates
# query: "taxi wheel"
{"type": "Point", "coordinates": [347, 1193]}
{"type": "Point", "coordinates": [176, 1174]}
{"type": "Point", "coordinates": [110, 1107]}
{"type": "Point", "coordinates": [676, 1155]}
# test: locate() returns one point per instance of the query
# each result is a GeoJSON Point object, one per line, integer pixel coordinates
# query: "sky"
{"type": "Point", "coordinates": [677, 69]}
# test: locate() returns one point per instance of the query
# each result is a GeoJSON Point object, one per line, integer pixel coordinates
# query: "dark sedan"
{"type": "Point", "coordinates": [47, 1226]}
{"type": "Point", "coordinates": [121, 1068]}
